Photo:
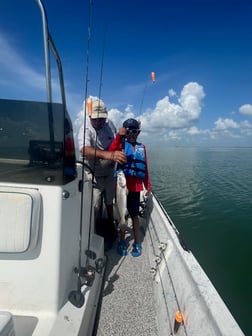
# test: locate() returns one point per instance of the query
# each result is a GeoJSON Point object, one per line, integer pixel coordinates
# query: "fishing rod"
{"type": "Point", "coordinates": [76, 297]}
{"type": "Point", "coordinates": [90, 113]}
{"type": "Point", "coordinates": [84, 122]}
{"type": "Point", "coordinates": [87, 272]}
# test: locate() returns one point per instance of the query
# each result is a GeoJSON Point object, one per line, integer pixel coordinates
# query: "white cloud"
{"type": "Point", "coordinates": [245, 124]}
{"type": "Point", "coordinates": [173, 135]}
{"type": "Point", "coordinates": [173, 123]}
{"type": "Point", "coordinates": [171, 93]}
{"type": "Point", "coordinates": [194, 130]}
{"type": "Point", "coordinates": [191, 99]}
{"type": "Point", "coordinates": [171, 115]}
{"type": "Point", "coordinates": [246, 128]}
{"type": "Point", "coordinates": [246, 109]}
{"type": "Point", "coordinates": [118, 117]}
{"type": "Point", "coordinates": [225, 124]}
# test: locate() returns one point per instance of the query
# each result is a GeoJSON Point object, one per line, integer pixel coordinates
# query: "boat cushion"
{"type": "Point", "coordinates": [19, 219]}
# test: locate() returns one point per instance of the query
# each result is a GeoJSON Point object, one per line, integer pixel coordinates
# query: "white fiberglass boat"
{"type": "Point", "coordinates": [51, 261]}
{"type": "Point", "coordinates": [55, 279]}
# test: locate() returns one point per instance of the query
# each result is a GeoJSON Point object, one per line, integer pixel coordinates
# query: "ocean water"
{"type": "Point", "coordinates": [208, 195]}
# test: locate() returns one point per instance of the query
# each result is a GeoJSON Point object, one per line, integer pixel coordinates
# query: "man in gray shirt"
{"type": "Point", "coordinates": [94, 140]}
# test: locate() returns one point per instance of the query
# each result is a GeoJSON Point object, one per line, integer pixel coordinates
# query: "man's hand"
{"type": "Point", "coordinates": [118, 156]}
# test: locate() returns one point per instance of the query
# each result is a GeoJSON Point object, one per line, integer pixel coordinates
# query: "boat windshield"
{"type": "Point", "coordinates": [36, 143]}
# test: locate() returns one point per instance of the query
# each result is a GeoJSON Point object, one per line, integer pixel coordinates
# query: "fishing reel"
{"type": "Point", "coordinates": [86, 276]}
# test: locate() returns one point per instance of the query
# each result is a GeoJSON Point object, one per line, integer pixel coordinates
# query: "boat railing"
{"type": "Point", "coordinates": [48, 43]}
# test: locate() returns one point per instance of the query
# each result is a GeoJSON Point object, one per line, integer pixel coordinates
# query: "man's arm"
{"type": "Point", "coordinates": [92, 153]}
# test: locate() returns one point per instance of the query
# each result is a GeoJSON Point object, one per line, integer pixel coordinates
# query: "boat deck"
{"type": "Point", "coordinates": [128, 306]}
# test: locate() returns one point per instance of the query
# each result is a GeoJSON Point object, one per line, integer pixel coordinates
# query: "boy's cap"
{"type": "Point", "coordinates": [99, 109]}
{"type": "Point", "coordinates": [131, 124]}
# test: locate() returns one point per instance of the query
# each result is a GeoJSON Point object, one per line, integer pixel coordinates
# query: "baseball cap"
{"type": "Point", "coordinates": [98, 109]}
{"type": "Point", "coordinates": [131, 124]}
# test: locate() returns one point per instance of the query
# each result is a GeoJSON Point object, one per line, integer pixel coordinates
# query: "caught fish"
{"type": "Point", "coordinates": [121, 198]}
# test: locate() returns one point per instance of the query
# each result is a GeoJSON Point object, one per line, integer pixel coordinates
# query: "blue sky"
{"type": "Point", "coordinates": [200, 51]}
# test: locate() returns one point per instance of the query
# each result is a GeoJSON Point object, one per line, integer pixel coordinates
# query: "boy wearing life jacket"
{"type": "Point", "coordinates": [137, 175]}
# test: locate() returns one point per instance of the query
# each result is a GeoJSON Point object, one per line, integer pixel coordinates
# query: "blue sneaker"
{"type": "Point", "coordinates": [122, 248]}
{"type": "Point", "coordinates": [137, 250]}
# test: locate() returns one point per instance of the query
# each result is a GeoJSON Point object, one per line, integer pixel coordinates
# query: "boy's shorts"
{"type": "Point", "coordinates": [133, 202]}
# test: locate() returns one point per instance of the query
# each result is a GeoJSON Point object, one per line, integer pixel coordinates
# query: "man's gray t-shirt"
{"type": "Point", "coordinates": [100, 139]}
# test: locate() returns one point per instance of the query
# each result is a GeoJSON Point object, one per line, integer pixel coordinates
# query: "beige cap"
{"type": "Point", "coordinates": [98, 109]}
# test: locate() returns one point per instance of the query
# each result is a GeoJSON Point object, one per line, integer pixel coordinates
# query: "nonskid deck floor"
{"type": "Point", "coordinates": [128, 306]}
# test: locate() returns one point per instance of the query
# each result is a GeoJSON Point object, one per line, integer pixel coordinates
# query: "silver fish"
{"type": "Point", "coordinates": [121, 198]}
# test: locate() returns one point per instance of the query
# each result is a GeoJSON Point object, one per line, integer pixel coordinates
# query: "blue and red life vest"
{"type": "Point", "coordinates": [136, 160]}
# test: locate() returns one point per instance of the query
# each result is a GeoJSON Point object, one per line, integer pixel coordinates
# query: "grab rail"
{"type": "Point", "coordinates": [48, 42]}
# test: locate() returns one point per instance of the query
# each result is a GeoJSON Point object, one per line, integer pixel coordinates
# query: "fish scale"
{"type": "Point", "coordinates": [121, 198]}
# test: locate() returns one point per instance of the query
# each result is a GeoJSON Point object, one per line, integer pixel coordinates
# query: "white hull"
{"type": "Point", "coordinates": [35, 283]}
{"type": "Point", "coordinates": [51, 261]}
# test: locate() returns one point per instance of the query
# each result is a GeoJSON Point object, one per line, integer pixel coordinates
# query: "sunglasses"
{"type": "Point", "coordinates": [133, 131]}
{"type": "Point", "coordinates": [98, 120]}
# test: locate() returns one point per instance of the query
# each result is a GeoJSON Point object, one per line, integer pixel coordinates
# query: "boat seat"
{"type": "Point", "coordinates": [6, 324]}
{"type": "Point", "coordinates": [19, 219]}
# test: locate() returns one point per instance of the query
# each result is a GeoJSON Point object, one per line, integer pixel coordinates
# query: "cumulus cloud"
{"type": "Point", "coordinates": [167, 114]}
{"type": "Point", "coordinates": [168, 119]}
{"type": "Point", "coordinates": [118, 116]}
{"type": "Point", "coordinates": [171, 115]}
{"type": "Point", "coordinates": [225, 124]}
{"type": "Point", "coordinates": [194, 130]}
{"type": "Point", "coordinates": [246, 109]}
{"type": "Point", "coordinates": [191, 99]}
{"type": "Point", "coordinates": [245, 124]}
{"type": "Point", "coordinates": [246, 128]}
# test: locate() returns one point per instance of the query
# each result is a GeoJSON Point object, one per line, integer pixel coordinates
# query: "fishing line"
{"type": "Point", "coordinates": [153, 78]}
{"type": "Point", "coordinates": [96, 135]}
{"type": "Point", "coordinates": [168, 271]}
{"type": "Point", "coordinates": [102, 61]}
{"type": "Point", "coordinates": [101, 75]}
{"type": "Point", "coordinates": [159, 273]}
{"type": "Point", "coordinates": [141, 103]}
{"type": "Point", "coordinates": [85, 122]}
